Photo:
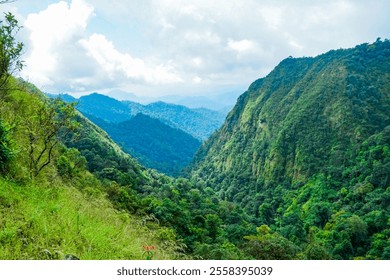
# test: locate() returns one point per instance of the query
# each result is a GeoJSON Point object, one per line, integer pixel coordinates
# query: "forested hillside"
{"type": "Point", "coordinates": [154, 144]}
{"type": "Point", "coordinates": [161, 136]}
{"type": "Point", "coordinates": [306, 151]}
{"type": "Point", "coordinates": [67, 189]}
{"type": "Point", "coordinates": [51, 206]}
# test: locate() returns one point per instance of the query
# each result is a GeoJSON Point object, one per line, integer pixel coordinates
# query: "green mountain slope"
{"type": "Point", "coordinates": [50, 204]}
{"type": "Point", "coordinates": [159, 135]}
{"type": "Point", "coordinates": [50, 222]}
{"type": "Point", "coordinates": [154, 144]}
{"type": "Point", "coordinates": [306, 151]}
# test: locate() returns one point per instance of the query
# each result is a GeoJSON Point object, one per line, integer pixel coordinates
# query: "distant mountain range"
{"type": "Point", "coordinates": [198, 122]}
{"type": "Point", "coordinates": [217, 102]}
{"type": "Point", "coordinates": [160, 135]}
{"type": "Point", "coordinates": [155, 144]}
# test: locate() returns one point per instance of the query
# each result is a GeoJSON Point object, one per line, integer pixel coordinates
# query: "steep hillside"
{"type": "Point", "coordinates": [306, 151]}
{"type": "Point", "coordinates": [50, 222]}
{"type": "Point", "coordinates": [153, 143]}
{"type": "Point", "coordinates": [50, 204]}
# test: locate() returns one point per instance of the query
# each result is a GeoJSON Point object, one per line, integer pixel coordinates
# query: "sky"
{"type": "Point", "coordinates": [154, 48]}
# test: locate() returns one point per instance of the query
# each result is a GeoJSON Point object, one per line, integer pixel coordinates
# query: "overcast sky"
{"type": "Point", "coordinates": [193, 47]}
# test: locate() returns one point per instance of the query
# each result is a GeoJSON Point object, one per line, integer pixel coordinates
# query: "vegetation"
{"type": "Point", "coordinates": [306, 152]}
{"type": "Point", "coordinates": [191, 213]}
{"type": "Point", "coordinates": [152, 143]}
{"type": "Point", "coordinates": [300, 170]}
{"type": "Point", "coordinates": [49, 222]}
{"type": "Point", "coordinates": [200, 123]}
{"type": "Point", "coordinates": [10, 49]}
{"type": "Point", "coordinates": [50, 204]}
{"type": "Point", "coordinates": [161, 136]}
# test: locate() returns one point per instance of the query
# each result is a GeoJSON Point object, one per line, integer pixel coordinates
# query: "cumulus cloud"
{"type": "Point", "coordinates": [63, 57]}
{"type": "Point", "coordinates": [182, 46]}
{"type": "Point", "coordinates": [241, 46]}
{"type": "Point", "coordinates": [54, 32]}
{"type": "Point", "coordinates": [117, 64]}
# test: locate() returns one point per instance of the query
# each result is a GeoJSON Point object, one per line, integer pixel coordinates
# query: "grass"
{"type": "Point", "coordinates": [48, 222]}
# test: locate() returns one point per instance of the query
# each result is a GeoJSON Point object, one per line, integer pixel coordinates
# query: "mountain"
{"type": "Point", "coordinates": [306, 151]}
{"type": "Point", "coordinates": [200, 122]}
{"type": "Point", "coordinates": [159, 135]}
{"type": "Point", "coordinates": [66, 189]}
{"type": "Point", "coordinates": [103, 107]}
{"type": "Point", "coordinates": [214, 102]}
{"type": "Point", "coordinates": [66, 97]}
{"type": "Point", "coordinates": [153, 143]}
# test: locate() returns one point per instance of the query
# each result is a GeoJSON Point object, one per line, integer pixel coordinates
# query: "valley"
{"type": "Point", "coordinates": [298, 170]}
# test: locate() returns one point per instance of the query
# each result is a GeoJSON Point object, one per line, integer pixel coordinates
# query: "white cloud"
{"type": "Point", "coordinates": [115, 63]}
{"type": "Point", "coordinates": [167, 46]}
{"type": "Point", "coordinates": [272, 15]}
{"type": "Point", "coordinates": [241, 46]}
{"type": "Point", "coordinates": [197, 80]}
{"type": "Point", "coordinates": [62, 57]}
{"type": "Point", "coordinates": [53, 32]}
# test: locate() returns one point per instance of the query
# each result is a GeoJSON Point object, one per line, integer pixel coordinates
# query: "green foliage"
{"type": "Point", "coordinates": [48, 222]}
{"type": "Point", "coordinates": [63, 210]}
{"type": "Point", "coordinates": [270, 245]}
{"type": "Point", "coordinates": [43, 131]}
{"type": "Point", "coordinates": [6, 152]}
{"type": "Point", "coordinates": [298, 155]}
{"type": "Point", "coordinates": [306, 152]}
{"type": "Point", "coordinates": [161, 136]}
{"type": "Point", "coordinates": [154, 144]}
{"type": "Point", "coordinates": [10, 50]}
{"type": "Point", "coordinates": [71, 163]}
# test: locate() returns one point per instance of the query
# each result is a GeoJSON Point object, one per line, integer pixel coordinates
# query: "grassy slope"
{"type": "Point", "coordinates": [46, 222]}
{"type": "Point", "coordinates": [49, 217]}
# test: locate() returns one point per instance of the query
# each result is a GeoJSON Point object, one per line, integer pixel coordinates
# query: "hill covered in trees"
{"type": "Point", "coordinates": [153, 143]}
{"type": "Point", "coordinates": [160, 135]}
{"type": "Point", "coordinates": [306, 152]}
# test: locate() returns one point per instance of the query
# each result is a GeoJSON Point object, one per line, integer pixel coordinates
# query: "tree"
{"type": "Point", "coordinates": [268, 245]}
{"type": "Point", "coordinates": [50, 121]}
{"type": "Point", "coordinates": [5, 150]}
{"type": "Point", "coordinates": [10, 49]}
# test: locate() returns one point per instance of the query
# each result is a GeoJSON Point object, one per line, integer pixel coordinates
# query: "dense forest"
{"type": "Point", "coordinates": [306, 152]}
{"type": "Point", "coordinates": [298, 171]}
